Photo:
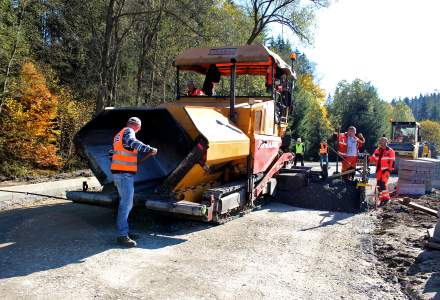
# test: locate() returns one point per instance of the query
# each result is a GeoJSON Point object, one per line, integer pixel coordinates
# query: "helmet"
{"type": "Point", "coordinates": [134, 120]}
{"type": "Point", "coordinates": [298, 140]}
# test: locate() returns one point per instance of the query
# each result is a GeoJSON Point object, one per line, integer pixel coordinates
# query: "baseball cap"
{"type": "Point", "coordinates": [134, 120]}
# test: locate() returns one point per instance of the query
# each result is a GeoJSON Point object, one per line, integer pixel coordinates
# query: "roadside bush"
{"type": "Point", "coordinates": [72, 115]}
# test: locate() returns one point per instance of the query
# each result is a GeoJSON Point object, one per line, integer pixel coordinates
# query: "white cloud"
{"type": "Point", "coordinates": [392, 43]}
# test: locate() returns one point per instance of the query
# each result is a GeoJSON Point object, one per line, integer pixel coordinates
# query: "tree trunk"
{"type": "Point", "coordinates": [141, 66]}
{"type": "Point", "coordinates": [105, 68]}
{"type": "Point", "coordinates": [255, 32]}
{"type": "Point", "coordinates": [152, 74]}
{"type": "Point", "coordinates": [164, 88]}
{"type": "Point", "coordinates": [14, 47]}
{"type": "Point", "coordinates": [147, 41]}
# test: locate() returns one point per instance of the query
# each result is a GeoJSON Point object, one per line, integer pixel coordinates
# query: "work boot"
{"type": "Point", "coordinates": [383, 203]}
{"type": "Point", "coordinates": [133, 236]}
{"type": "Point", "coordinates": [126, 241]}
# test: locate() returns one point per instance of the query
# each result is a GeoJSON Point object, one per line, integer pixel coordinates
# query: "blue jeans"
{"type": "Point", "coordinates": [125, 184]}
{"type": "Point", "coordinates": [323, 159]}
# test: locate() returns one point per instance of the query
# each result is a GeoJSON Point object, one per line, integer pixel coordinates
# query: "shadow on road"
{"type": "Point", "coordinates": [328, 217]}
{"type": "Point", "coordinates": [433, 285]}
{"type": "Point", "coordinates": [428, 262]}
{"type": "Point", "coordinates": [53, 236]}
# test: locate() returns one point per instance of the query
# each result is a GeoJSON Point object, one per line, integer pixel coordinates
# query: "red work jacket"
{"type": "Point", "coordinates": [197, 92]}
{"type": "Point", "coordinates": [342, 143]}
{"type": "Point", "coordinates": [386, 162]}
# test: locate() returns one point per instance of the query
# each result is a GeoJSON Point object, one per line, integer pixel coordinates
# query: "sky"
{"type": "Point", "coordinates": [394, 44]}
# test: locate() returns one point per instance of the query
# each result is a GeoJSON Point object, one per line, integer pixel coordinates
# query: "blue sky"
{"type": "Point", "coordinates": [395, 44]}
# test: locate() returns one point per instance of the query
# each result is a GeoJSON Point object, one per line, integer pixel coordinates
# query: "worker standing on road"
{"type": "Point", "coordinates": [349, 144]}
{"type": "Point", "coordinates": [426, 151]}
{"type": "Point", "coordinates": [124, 167]}
{"type": "Point", "coordinates": [384, 157]}
{"type": "Point", "coordinates": [299, 151]}
{"type": "Point", "coordinates": [323, 154]}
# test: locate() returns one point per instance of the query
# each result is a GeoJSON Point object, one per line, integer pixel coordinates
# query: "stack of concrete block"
{"type": "Point", "coordinates": [415, 177]}
{"type": "Point", "coordinates": [436, 171]}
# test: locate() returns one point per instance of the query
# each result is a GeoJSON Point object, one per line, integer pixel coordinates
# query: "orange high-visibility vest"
{"type": "Point", "coordinates": [323, 149]}
{"type": "Point", "coordinates": [387, 160]}
{"type": "Point", "coordinates": [123, 159]}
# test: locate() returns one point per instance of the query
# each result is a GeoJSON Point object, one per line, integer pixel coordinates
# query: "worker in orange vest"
{"type": "Point", "coordinates": [124, 167]}
{"type": "Point", "coordinates": [384, 158]}
{"type": "Point", "coordinates": [323, 154]}
{"type": "Point", "coordinates": [349, 144]}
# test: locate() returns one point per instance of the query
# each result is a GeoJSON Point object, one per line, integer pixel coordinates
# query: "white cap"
{"type": "Point", "coordinates": [298, 139]}
{"type": "Point", "coordinates": [134, 120]}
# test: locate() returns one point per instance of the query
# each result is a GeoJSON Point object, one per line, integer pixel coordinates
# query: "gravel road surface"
{"type": "Point", "coordinates": [56, 249]}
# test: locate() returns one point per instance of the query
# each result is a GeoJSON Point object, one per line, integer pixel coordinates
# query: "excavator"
{"type": "Point", "coordinates": [218, 155]}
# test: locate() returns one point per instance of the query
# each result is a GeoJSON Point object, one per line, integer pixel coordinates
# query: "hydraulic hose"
{"type": "Point", "coordinates": [34, 194]}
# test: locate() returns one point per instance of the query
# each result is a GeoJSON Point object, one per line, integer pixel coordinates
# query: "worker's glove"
{"type": "Point", "coordinates": [153, 151]}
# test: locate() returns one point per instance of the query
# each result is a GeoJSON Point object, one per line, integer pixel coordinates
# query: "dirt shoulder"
{"type": "Point", "coordinates": [399, 246]}
{"type": "Point", "coordinates": [5, 182]}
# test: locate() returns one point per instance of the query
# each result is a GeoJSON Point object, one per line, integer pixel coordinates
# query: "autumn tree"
{"type": "Point", "coordinates": [430, 131]}
{"type": "Point", "coordinates": [28, 122]}
{"type": "Point", "coordinates": [72, 115]}
{"type": "Point", "coordinates": [315, 125]}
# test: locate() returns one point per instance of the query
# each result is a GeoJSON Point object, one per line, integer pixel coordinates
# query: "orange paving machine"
{"type": "Point", "coordinates": [218, 155]}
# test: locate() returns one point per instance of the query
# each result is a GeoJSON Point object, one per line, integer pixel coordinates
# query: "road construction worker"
{"type": "Point", "coordinates": [323, 154]}
{"type": "Point", "coordinates": [192, 90]}
{"type": "Point", "coordinates": [426, 152]}
{"type": "Point", "coordinates": [384, 158]}
{"type": "Point", "coordinates": [124, 167]}
{"type": "Point", "coordinates": [299, 152]}
{"type": "Point", "coordinates": [349, 144]}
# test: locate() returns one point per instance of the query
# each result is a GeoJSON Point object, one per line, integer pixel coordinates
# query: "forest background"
{"type": "Point", "coordinates": [63, 61]}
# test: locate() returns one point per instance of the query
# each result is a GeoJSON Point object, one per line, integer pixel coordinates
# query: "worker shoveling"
{"type": "Point", "coordinates": [218, 155]}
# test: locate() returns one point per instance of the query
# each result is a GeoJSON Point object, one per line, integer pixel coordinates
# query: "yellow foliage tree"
{"type": "Point", "coordinates": [29, 129]}
{"type": "Point", "coordinates": [306, 81]}
{"type": "Point", "coordinates": [72, 115]}
{"type": "Point", "coordinates": [315, 124]}
{"type": "Point", "coordinates": [430, 131]}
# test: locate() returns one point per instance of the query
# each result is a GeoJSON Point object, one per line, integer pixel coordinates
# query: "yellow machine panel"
{"type": "Point", "coordinates": [226, 141]}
